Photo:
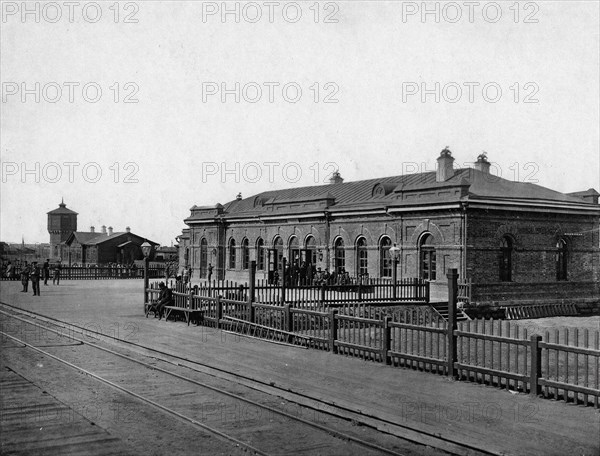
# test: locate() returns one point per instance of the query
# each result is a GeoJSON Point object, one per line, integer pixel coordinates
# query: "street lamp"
{"type": "Point", "coordinates": [146, 249]}
{"type": "Point", "coordinates": [395, 256]}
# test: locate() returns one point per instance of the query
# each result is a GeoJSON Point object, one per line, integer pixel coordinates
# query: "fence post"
{"type": "Point", "coordinates": [219, 311]}
{"type": "Point", "coordinates": [535, 365]}
{"type": "Point", "coordinates": [386, 340]}
{"type": "Point", "coordinates": [427, 291]}
{"type": "Point", "coordinates": [252, 281]}
{"type": "Point", "coordinates": [191, 297]}
{"type": "Point", "coordinates": [283, 280]}
{"type": "Point", "coordinates": [288, 321]}
{"type": "Point", "coordinates": [394, 279]}
{"type": "Point", "coordinates": [333, 327]}
{"type": "Point", "coordinates": [146, 280]}
{"type": "Point", "coordinates": [416, 289]}
{"type": "Point", "coordinates": [323, 294]}
{"type": "Point", "coordinates": [452, 326]}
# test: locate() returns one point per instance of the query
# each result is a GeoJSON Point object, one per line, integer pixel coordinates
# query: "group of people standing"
{"type": "Point", "coordinates": [34, 273]}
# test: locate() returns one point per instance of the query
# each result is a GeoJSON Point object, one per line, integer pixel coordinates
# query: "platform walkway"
{"type": "Point", "coordinates": [502, 422]}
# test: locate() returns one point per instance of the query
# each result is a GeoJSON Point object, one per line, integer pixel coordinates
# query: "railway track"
{"type": "Point", "coordinates": [145, 380]}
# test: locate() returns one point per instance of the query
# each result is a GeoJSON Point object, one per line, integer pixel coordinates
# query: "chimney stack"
{"type": "Point", "coordinates": [336, 178]}
{"type": "Point", "coordinates": [482, 164]}
{"type": "Point", "coordinates": [103, 229]}
{"type": "Point", "coordinates": [127, 229]}
{"type": "Point", "coordinates": [238, 196]}
{"type": "Point", "coordinates": [445, 169]}
{"type": "Point", "coordinates": [92, 229]}
{"type": "Point", "coordinates": [110, 231]}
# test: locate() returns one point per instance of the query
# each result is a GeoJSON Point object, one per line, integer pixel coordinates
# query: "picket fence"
{"type": "Point", "coordinates": [560, 364]}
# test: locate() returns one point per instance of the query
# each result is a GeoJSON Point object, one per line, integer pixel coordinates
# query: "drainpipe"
{"type": "Point", "coordinates": [463, 269]}
{"type": "Point", "coordinates": [327, 240]}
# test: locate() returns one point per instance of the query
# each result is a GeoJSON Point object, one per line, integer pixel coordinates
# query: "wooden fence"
{"type": "Point", "coordinates": [94, 273]}
{"type": "Point", "coordinates": [320, 296]}
{"type": "Point", "coordinates": [563, 365]}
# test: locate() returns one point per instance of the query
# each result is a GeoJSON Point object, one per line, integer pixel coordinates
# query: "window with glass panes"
{"type": "Point", "coordinates": [428, 258]}
{"type": "Point", "coordinates": [361, 257]}
{"type": "Point", "coordinates": [260, 254]}
{"type": "Point", "coordinates": [203, 257]}
{"type": "Point", "coordinates": [561, 260]}
{"type": "Point", "coordinates": [385, 261]}
{"type": "Point", "coordinates": [339, 255]}
{"type": "Point", "coordinates": [245, 254]}
{"type": "Point", "coordinates": [232, 254]}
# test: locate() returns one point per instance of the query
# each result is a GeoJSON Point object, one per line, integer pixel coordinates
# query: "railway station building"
{"type": "Point", "coordinates": [512, 241]}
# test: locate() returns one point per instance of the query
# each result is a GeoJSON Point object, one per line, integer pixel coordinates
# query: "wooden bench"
{"type": "Point", "coordinates": [188, 313]}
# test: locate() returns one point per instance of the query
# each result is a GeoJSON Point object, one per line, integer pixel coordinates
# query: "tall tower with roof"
{"type": "Point", "coordinates": [61, 223]}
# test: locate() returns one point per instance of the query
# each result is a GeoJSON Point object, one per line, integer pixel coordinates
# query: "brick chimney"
{"type": "Point", "coordinates": [127, 229]}
{"type": "Point", "coordinates": [92, 229]}
{"type": "Point", "coordinates": [110, 232]}
{"type": "Point", "coordinates": [482, 164]}
{"type": "Point", "coordinates": [103, 229]}
{"type": "Point", "coordinates": [336, 178]}
{"type": "Point", "coordinates": [445, 169]}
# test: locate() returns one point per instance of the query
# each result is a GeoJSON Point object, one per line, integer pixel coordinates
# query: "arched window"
{"type": "Point", "coordinates": [311, 247]}
{"type": "Point", "coordinates": [427, 257]}
{"type": "Point", "coordinates": [203, 257]}
{"type": "Point", "coordinates": [294, 250]}
{"type": "Point", "coordinates": [506, 249]}
{"type": "Point", "coordinates": [339, 255]}
{"type": "Point", "coordinates": [361, 257]}
{"type": "Point", "coordinates": [245, 254]}
{"type": "Point", "coordinates": [385, 261]}
{"type": "Point", "coordinates": [232, 254]}
{"type": "Point", "coordinates": [276, 259]}
{"type": "Point", "coordinates": [260, 254]}
{"type": "Point", "coordinates": [561, 260]}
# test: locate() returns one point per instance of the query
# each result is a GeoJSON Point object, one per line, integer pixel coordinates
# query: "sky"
{"type": "Point", "coordinates": [133, 112]}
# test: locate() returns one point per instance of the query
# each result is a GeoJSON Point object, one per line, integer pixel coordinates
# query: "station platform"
{"type": "Point", "coordinates": [499, 421]}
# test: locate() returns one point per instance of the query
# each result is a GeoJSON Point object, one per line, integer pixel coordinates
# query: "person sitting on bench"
{"type": "Point", "coordinates": [165, 298]}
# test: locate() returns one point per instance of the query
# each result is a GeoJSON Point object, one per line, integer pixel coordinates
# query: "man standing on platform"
{"type": "Point", "coordinates": [56, 276]}
{"type": "Point", "coordinates": [210, 270]}
{"type": "Point", "coordinates": [25, 277]}
{"type": "Point", "coordinates": [46, 271]}
{"type": "Point", "coordinates": [35, 279]}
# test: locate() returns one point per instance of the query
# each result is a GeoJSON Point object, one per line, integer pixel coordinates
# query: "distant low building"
{"type": "Point", "coordinates": [90, 247]}
{"type": "Point", "coordinates": [166, 254]}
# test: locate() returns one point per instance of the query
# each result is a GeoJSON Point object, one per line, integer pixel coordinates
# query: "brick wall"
{"type": "Point", "coordinates": [534, 255]}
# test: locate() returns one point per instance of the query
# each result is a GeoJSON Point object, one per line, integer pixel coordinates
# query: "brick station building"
{"type": "Point", "coordinates": [514, 241]}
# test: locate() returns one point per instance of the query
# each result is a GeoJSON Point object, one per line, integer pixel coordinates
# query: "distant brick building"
{"type": "Point", "coordinates": [61, 223]}
{"type": "Point", "coordinates": [513, 240]}
{"type": "Point", "coordinates": [89, 247]}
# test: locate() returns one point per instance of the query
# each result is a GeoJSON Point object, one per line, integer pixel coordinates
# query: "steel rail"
{"type": "Point", "coordinates": [326, 429]}
{"type": "Point", "coordinates": [415, 435]}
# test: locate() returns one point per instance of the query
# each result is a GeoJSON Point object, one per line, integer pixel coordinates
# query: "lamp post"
{"type": "Point", "coordinates": [394, 255]}
{"type": "Point", "coordinates": [146, 249]}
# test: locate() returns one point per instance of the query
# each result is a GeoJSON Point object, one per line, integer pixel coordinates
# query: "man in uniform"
{"type": "Point", "coordinates": [56, 276]}
{"type": "Point", "coordinates": [35, 279]}
{"type": "Point", "coordinates": [25, 278]}
{"type": "Point", "coordinates": [46, 271]}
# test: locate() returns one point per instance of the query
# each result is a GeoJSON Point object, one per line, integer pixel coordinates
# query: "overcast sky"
{"type": "Point", "coordinates": [372, 88]}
